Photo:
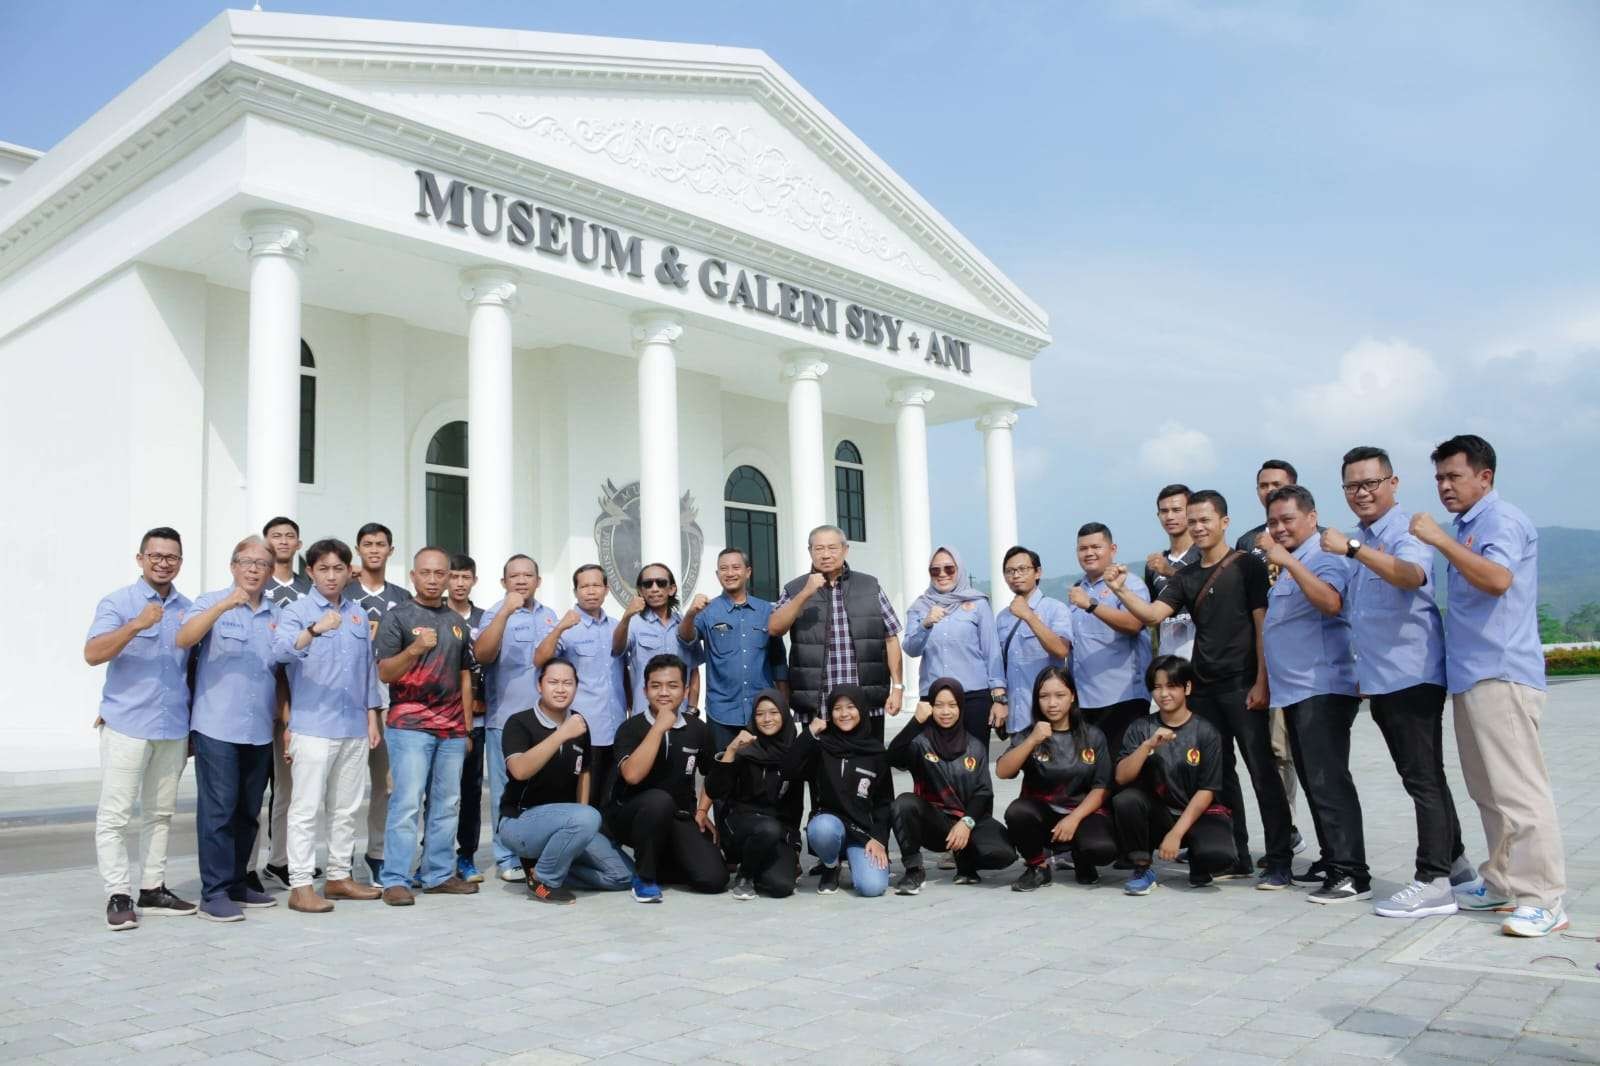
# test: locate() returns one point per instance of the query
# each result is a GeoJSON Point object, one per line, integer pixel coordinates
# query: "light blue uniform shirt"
{"type": "Point", "coordinates": [1308, 653]}
{"type": "Point", "coordinates": [1495, 637]}
{"type": "Point", "coordinates": [961, 645]}
{"type": "Point", "coordinates": [1022, 656]}
{"type": "Point", "coordinates": [741, 657]}
{"type": "Point", "coordinates": [649, 636]}
{"type": "Point", "coordinates": [236, 673]}
{"type": "Point", "coordinates": [333, 681]}
{"type": "Point", "coordinates": [1108, 666]}
{"type": "Point", "coordinates": [1398, 636]}
{"type": "Point", "coordinates": [600, 693]}
{"type": "Point", "coordinates": [146, 693]}
{"type": "Point", "coordinates": [512, 679]}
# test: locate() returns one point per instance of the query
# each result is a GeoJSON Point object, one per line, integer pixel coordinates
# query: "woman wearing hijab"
{"type": "Point", "coordinates": [852, 792]}
{"type": "Point", "coordinates": [951, 627]}
{"type": "Point", "coordinates": [951, 806]}
{"type": "Point", "coordinates": [760, 827]}
{"type": "Point", "coordinates": [1066, 777]}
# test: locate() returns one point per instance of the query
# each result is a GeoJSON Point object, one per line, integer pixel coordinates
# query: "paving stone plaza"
{"type": "Point", "coordinates": [955, 975]}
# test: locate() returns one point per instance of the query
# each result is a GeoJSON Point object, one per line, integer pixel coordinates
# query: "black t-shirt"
{"type": "Point", "coordinates": [682, 751]}
{"type": "Point", "coordinates": [376, 604]}
{"type": "Point", "coordinates": [428, 696]}
{"type": "Point", "coordinates": [1061, 771]}
{"type": "Point", "coordinates": [557, 780]}
{"type": "Point", "coordinates": [1225, 632]}
{"type": "Point", "coordinates": [281, 595]}
{"type": "Point", "coordinates": [474, 623]}
{"type": "Point", "coordinates": [1179, 768]}
{"type": "Point", "coordinates": [1156, 582]}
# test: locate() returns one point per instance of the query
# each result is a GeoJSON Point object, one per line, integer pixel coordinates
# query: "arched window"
{"type": "Point", "coordinates": [308, 415]}
{"type": "Point", "coordinates": [751, 512]}
{"type": "Point", "coordinates": [849, 483]}
{"type": "Point", "coordinates": [446, 482]}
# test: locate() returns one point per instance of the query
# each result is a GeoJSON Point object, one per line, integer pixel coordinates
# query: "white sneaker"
{"type": "Point", "coordinates": [512, 873]}
{"type": "Point", "coordinates": [1535, 921]}
{"type": "Point", "coordinates": [1419, 899]}
{"type": "Point", "coordinates": [1475, 896]}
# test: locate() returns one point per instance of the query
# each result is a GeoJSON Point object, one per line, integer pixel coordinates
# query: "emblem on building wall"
{"type": "Point", "coordinates": [616, 538]}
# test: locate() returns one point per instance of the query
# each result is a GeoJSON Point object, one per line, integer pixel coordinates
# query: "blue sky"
{"type": "Point", "coordinates": [1259, 228]}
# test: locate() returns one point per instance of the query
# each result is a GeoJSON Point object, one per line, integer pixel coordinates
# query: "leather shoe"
{"type": "Point", "coordinates": [349, 889]}
{"type": "Point", "coordinates": [453, 887]}
{"type": "Point", "coordinates": [398, 896]}
{"type": "Point", "coordinates": [305, 899]}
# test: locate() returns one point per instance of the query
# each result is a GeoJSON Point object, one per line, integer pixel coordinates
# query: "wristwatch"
{"type": "Point", "coordinates": [1093, 603]}
{"type": "Point", "coordinates": [1352, 547]}
{"type": "Point", "coordinates": [966, 820]}
{"type": "Point", "coordinates": [1002, 699]}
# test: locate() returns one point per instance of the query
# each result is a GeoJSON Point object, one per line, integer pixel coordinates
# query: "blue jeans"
{"type": "Point", "coordinates": [422, 765]}
{"type": "Point", "coordinates": [825, 835]}
{"type": "Point", "coordinates": [566, 840]}
{"type": "Point", "coordinates": [229, 781]}
{"type": "Point", "coordinates": [504, 857]}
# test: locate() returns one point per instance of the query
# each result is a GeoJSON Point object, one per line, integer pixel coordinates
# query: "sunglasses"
{"type": "Point", "coordinates": [941, 571]}
{"type": "Point", "coordinates": [656, 583]}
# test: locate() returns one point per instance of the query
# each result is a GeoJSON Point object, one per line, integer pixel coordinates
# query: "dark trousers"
{"type": "Point", "coordinates": [230, 780]}
{"type": "Point", "coordinates": [721, 737]}
{"type": "Point", "coordinates": [1114, 721]}
{"type": "Point", "coordinates": [1223, 707]}
{"type": "Point", "coordinates": [975, 707]}
{"type": "Point", "coordinates": [1029, 822]}
{"type": "Point", "coordinates": [667, 846]}
{"type": "Point", "coordinates": [766, 850]}
{"type": "Point", "coordinates": [469, 829]}
{"type": "Point", "coordinates": [1143, 820]}
{"type": "Point", "coordinates": [601, 763]}
{"type": "Point", "coordinates": [919, 824]}
{"type": "Point", "coordinates": [1412, 724]}
{"type": "Point", "coordinates": [1319, 738]}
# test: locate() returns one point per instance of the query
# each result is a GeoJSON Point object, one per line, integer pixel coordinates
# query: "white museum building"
{"type": "Point", "coordinates": [592, 299]}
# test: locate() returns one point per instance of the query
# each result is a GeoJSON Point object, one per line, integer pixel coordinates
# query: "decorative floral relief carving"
{"type": "Point", "coordinates": [729, 164]}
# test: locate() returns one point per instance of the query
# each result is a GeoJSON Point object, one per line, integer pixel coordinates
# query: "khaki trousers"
{"type": "Point", "coordinates": [1283, 757]}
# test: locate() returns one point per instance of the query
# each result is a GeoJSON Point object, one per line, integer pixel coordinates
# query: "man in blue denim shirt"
{"type": "Point", "coordinates": [729, 634]}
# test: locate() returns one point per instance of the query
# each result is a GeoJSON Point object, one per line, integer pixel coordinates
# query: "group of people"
{"type": "Point", "coordinates": [611, 767]}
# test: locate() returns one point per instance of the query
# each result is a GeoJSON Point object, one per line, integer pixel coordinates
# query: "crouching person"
{"type": "Point", "coordinates": [545, 817]}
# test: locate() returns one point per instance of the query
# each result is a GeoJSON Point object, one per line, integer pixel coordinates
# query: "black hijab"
{"type": "Point", "coordinates": [859, 741]}
{"type": "Point", "coordinates": [949, 742]}
{"type": "Point", "coordinates": [768, 751]}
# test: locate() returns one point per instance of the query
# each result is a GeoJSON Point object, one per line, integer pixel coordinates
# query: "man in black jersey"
{"type": "Point", "coordinates": [376, 596]}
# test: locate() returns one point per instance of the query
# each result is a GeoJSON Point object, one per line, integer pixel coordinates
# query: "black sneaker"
{"type": "Point", "coordinates": [1241, 868]}
{"type": "Point", "coordinates": [743, 889]}
{"type": "Point", "coordinates": [1032, 877]}
{"type": "Point", "coordinates": [162, 901]}
{"type": "Point", "coordinates": [1340, 890]}
{"type": "Point", "coordinates": [253, 880]}
{"type": "Point", "coordinates": [830, 880]}
{"type": "Point", "coordinates": [1274, 879]}
{"type": "Point", "coordinates": [547, 894]}
{"type": "Point", "coordinates": [910, 882]}
{"type": "Point", "coordinates": [1086, 875]}
{"type": "Point", "coordinates": [278, 875]}
{"type": "Point", "coordinates": [1315, 874]}
{"type": "Point", "coordinates": [1122, 864]}
{"type": "Point", "coordinates": [968, 879]}
{"type": "Point", "coordinates": [817, 869]}
{"type": "Point", "coordinates": [120, 914]}
{"type": "Point", "coordinates": [1199, 880]}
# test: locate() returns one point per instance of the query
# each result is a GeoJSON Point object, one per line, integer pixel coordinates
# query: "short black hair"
{"type": "Point", "coordinates": [1304, 502]}
{"type": "Point", "coordinates": [372, 528]}
{"type": "Point", "coordinates": [1282, 464]}
{"type": "Point", "coordinates": [740, 552]}
{"type": "Point", "coordinates": [1179, 670]}
{"type": "Point", "coordinates": [426, 548]}
{"type": "Point", "coordinates": [1174, 489]}
{"type": "Point", "coordinates": [1017, 549]}
{"type": "Point", "coordinates": [281, 520]}
{"type": "Point", "coordinates": [1362, 454]}
{"type": "Point", "coordinates": [1089, 529]}
{"type": "Point", "coordinates": [559, 660]}
{"type": "Point", "coordinates": [668, 661]}
{"type": "Point", "coordinates": [585, 568]}
{"type": "Point", "coordinates": [507, 567]}
{"type": "Point", "coordinates": [159, 533]}
{"type": "Point", "coordinates": [328, 546]}
{"type": "Point", "coordinates": [1479, 452]}
{"type": "Point", "coordinates": [1213, 497]}
{"type": "Point", "coordinates": [463, 561]}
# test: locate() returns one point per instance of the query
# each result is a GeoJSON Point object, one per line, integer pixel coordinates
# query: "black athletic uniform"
{"type": "Point", "coordinates": [1147, 809]}
{"type": "Point", "coordinates": [760, 826]}
{"type": "Point", "coordinates": [656, 817]}
{"type": "Point", "coordinates": [1058, 776]}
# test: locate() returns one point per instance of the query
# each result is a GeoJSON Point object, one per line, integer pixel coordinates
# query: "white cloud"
{"type": "Point", "coordinates": [1176, 451]}
{"type": "Point", "coordinates": [1380, 389]}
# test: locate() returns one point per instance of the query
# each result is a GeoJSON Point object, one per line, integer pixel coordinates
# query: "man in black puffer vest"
{"type": "Point", "coordinates": [842, 631]}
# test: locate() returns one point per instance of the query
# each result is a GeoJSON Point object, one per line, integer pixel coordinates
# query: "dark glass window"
{"type": "Point", "coordinates": [308, 415]}
{"type": "Point", "coordinates": [850, 492]}
{"type": "Point", "coordinates": [754, 528]}
{"type": "Point", "coordinates": [449, 446]}
{"type": "Point", "coordinates": [447, 489]}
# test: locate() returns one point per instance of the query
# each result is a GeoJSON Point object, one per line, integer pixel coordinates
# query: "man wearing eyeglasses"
{"type": "Point", "coordinates": [1034, 631]}
{"type": "Point", "coordinates": [236, 698]}
{"type": "Point", "coordinates": [1399, 643]}
{"type": "Point", "coordinates": [144, 728]}
{"type": "Point", "coordinates": [842, 630]}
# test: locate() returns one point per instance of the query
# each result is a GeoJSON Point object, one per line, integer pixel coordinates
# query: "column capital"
{"type": "Point", "coordinates": [274, 233]}
{"type": "Point", "coordinates": [998, 416]}
{"type": "Point", "coordinates": [495, 286]}
{"type": "Point", "coordinates": [655, 327]}
{"type": "Point", "coordinates": [805, 364]}
{"type": "Point", "coordinates": [910, 392]}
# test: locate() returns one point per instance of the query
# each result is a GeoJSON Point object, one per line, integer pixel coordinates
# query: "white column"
{"type": "Point", "coordinates": [490, 293]}
{"type": "Point", "coordinates": [276, 241]}
{"type": "Point", "coordinates": [910, 399]}
{"type": "Point", "coordinates": [660, 536]}
{"type": "Point", "coordinates": [803, 371]}
{"type": "Point", "coordinates": [1000, 474]}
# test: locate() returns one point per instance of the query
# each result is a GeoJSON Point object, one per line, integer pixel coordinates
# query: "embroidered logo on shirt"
{"type": "Point", "coordinates": [1192, 756]}
{"type": "Point", "coordinates": [688, 765]}
{"type": "Point", "coordinates": [1087, 755]}
{"type": "Point", "coordinates": [970, 763]}
{"type": "Point", "coordinates": [456, 632]}
{"type": "Point", "coordinates": [1041, 755]}
{"type": "Point", "coordinates": [862, 786]}
{"type": "Point", "coordinates": [577, 763]}
{"type": "Point", "coordinates": [932, 756]}
{"type": "Point", "coordinates": [968, 606]}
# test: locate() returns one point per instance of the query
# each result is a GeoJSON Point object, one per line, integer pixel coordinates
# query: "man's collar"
{"type": "Point", "coordinates": [1489, 498]}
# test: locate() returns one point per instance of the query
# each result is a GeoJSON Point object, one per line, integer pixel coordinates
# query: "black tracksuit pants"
{"type": "Point", "coordinates": [1143, 819]}
{"type": "Point", "coordinates": [1319, 738]}
{"type": "Point", "coordinates": [469, 829]}
{"type": "Point", "coordinates": [1029, 822]}
{"type": "Point", "coordinates": [1412, 723]}
{"type": "Point", "coordinates": [667, 846]}
{"type": "Point", "coordinates": [919, 824]}
{"type": "Point", "coordinates": [1223, 706]}
{"type": "Point", "coordinates": [764, 850]}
